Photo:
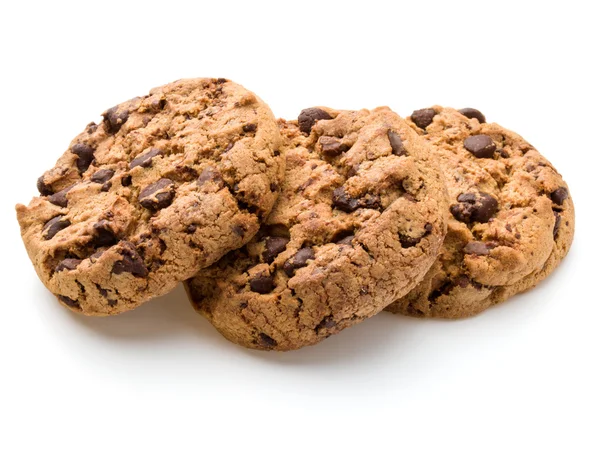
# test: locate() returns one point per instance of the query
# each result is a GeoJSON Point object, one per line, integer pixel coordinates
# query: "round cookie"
{"type": "Point", "coordinates": [510, 222]}
{"type": "Point", "coordinates": [358, 223]}
{"type": "Point", "coordinates": [164, 185]}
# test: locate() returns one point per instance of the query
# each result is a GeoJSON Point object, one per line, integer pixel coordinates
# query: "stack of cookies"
{"type": "Point", "coordinates": [286, 232]}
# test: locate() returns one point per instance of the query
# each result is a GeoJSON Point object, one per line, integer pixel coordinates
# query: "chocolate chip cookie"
{"type": "Point", "coordinates": [358, 222]}
{"type": "Point", "coordinates": [510, 222]}
{"type": "Point", "coordinates": [165, 184]}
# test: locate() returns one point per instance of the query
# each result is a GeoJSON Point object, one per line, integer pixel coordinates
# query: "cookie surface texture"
{"type": "Point", "coordinates": [358, 221]}
{"type": "Point", "coordinates": [510, 221]}
{"type": "Point", "coordinates": [163, 185]}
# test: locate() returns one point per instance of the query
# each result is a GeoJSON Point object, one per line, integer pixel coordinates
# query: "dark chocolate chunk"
{"type": "Point", "coordinates": [85, 156]}
{"type": "Point", "coordinates": [60, 198]}
{"type": "Point", "coordinates": [326, 323]}
{"type": "Point", "coordinates": [423, 117]}
{"type": "Point", "coordinates": [299, 260]}
{"type": "Point", "coordinates": [343, 201]}
{"type": "Point", "coordinates": [476, 248]}
{"type": "Point", "coordinates": [480, 146]}
{"type": "Point", "coordinates": [331, 146]}
{"type": "Point", "coordinates": [103, 175]}
{"type": "Point", "coordinates": [559, 196]}
{"type": "Point", "coordinates": [265, 341]}
{"type": "Point", "coordinates": [346, 240]}
{"type": "Point", "coordinates": [274, 246]}
{"type": "Point", "coordinates": [473, 113]}
{"type": "Point", "coordinates": [91, 128]}
{"type": "Point", "coordinates": [239, 230]}
{"type": "Point", "coordinates": [308, 117]}
{"type": "Point", "coordinates": [262, 284]}
{"type": "Point", "coordinates": [210, 174]}
{"type": "Point", "coordinates": [157, 195]}
{"type": "Point", "coordinates": [407, 241]}
{"type": "Point", "coordinates": [343, 235]}
{"type": "Point", "coordinates": [463, 281]}
{"type": "Point", "coordinates": [115, 119]}
{"type": "Point", "coordinates": [474, 207]}
{"type": "Point", "coordinates": [126, 181]}
{"type": "Point", "coordinates": [44, 188]}
{"type": "Point", "coordinates": [557, 220]}
{"type": "Point", "coordinates": [396, 144]}
{"type": "Point", "coordinates": [346, 203]}
{"type": "Point", "coordinates": [104, 235]}
{"type": "Point", "coordinates": [131, 261]}
{"type": "Point", "coordinates": [73, 303]}
{"type": "Point", "coordinates": [249, 127]}
{"type": "Point", "coordinates": [67, 264]}
{"type": "Point", "coordinates": [145, 160]}
{"type": "Point", "coordinates": [53, 226]}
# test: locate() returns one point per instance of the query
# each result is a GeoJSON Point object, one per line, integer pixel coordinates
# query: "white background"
{"type": "Point", "coordinates": [524, 374]}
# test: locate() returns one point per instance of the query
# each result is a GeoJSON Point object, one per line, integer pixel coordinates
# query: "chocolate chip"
{"type": "Point", "coordinates": [44, 188]}
{"type": "Point", "coordinates": [407, 241]}
{"type": "Point", "coordinates": [115, 119]}
{"type": "Point", "coordinates": [126, 181]}
{"type": "Point", "coordinates": [473, 113]}
{"type": "Point", "coordinates": [157, 104]}
{"type": "Point", "coordinates": [343, 201]}
{"type": "Point", "coordinates": [557, 220]}
{"type": "Point", "coordinates": [476, 248]}
{"type": "Point", "coordinates": [239, 230]}
{"type": "Point", "coordinates": [326, 323]}
{"type": "Point", "coordinates": [111, 302]}
{"type": "Point", "coordinates": [274, 246]}
{"type": "Point", "coordinates": [559, 196]}
{"type": "Point", "coordinates": [346, 240]}
{"type": "Point", "coordinates": [479, 207]}
{"type": "Point", "coordinates": [249, 127]}
{"type": "Point", "coordinates": [73, 303]}
{"type": "Point", "coordinates": [346, 203]}
{"type": "Point", "coordinates": [191, 229]}
{"type": "Point", "coordinates": [344, 234]}
{"type": "Point", "coordinates": [157, 195]}
{"type": "Point", "coordinates": [396, 144]}
{"type": "Point", "coordinates": [145, 160]}
{"type": "Point", "coordinates": [91, 128]}
{"type": "Point", "coordinates": [85, 156]}
{"type": "Point", "coordinates": [60, 198]}
{"type": "Point", "coordinates": [308, 117]}
{"type": "Point", "coordinates": [210, 174]}
{"type": "Point", "coordinates": [106, 187]}
{"type": "Point", "coordinates": [265, 341]}
{"type": "Point", "coordinates": [299, 260]}
{"type": "Point", "coordinates": [67, 264]}
{"type": "Point", "coordinates": [487, 207]}
{"type": "Point", "coordinates": [131, 261]}
{"type": "Point", "coordinates": [463, 281]}
{"type": "Point", "coordinates": [262, 284]}
{"type": "Point", "coordinates": [481, 146]}
{"type": "Point", "coordinates": [331, 146]}
{"type": "Point", "coordinates": [53, 226]}
{"type": "Point", "coordinates": [103, 175]}
{"type": "Point", "coordinates": [104, 235]}
{"type": "Point", "coordinates": [423, 117]}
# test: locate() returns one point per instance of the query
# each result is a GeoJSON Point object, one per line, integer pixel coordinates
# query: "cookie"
{"type": "Point", "coordinates": [165, 184]}
{"type": "Point", "coordinates": [510, 222]}
{"type": "Point", "coordinates": [358, 222]}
